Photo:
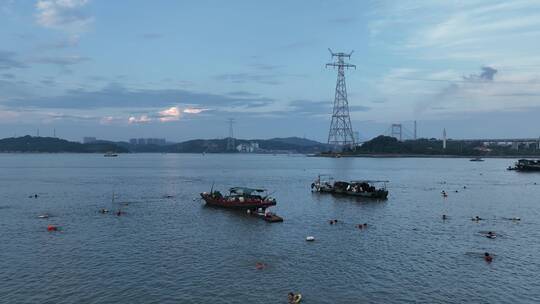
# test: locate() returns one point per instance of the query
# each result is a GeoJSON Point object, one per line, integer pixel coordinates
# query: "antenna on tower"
{"type": "Point", "coordinates": [341, 132]}
{"type": "Point", "coordinates": [230, 139]}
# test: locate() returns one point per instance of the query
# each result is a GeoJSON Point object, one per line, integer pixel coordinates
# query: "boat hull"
{"type": "Point", "coordinates": [379, 194]}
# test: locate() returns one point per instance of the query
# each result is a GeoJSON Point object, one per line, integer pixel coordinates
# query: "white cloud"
{"type": "Point", "coordinates": [194, 110]}
{"type": "Point", "coordinates": [62, 14]}
{"type": "Point", "coordinates": [170, 114]}
{"type": "Point", "coordinates": [140, 119]}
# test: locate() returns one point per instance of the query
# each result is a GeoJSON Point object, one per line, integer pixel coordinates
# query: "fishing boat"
{"type": "Point", "coordinates": [240, 198]}
{"type": "Point", "coordinates": [359, 188]}
{"type": "Point", "coordinates": [110, 154]}
{"type": "Point", "coordinates": [526, 165]}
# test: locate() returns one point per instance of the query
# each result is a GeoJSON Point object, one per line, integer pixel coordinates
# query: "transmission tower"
{"type": "Point", "coordinates": [341, 132]}
{"type": "Point", "coordinates": [230, 139]}
{"type": "Point", "coordinates": [397, 131]}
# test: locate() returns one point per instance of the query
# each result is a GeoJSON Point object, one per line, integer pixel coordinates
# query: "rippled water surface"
{"type": "Point", "coordinates": [175, 250]}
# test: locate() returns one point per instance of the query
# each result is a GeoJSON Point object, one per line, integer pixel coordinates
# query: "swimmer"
{"type": "Point", "coordinates": [476, 218]}
{"type": "Point", "coordinates": [290, 297]}
{"type": "Point", "coordinates": [487, 257]}
{"type": "Point", "coordinates": [365, 225]}
{"type": "Point", "coordinates": [491, 235]}
{"type": "Point", "coordinates": [444, 217]}
{"type": "Point", "coordinates": [103, 210]}
{"type": "Point", "coordinates": [119, 212]}
{"type": "Point", "coordinates": [359, 226]}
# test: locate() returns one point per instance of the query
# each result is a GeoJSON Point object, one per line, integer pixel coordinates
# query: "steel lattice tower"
{"type": "Point", "coordinates": [341, 132]}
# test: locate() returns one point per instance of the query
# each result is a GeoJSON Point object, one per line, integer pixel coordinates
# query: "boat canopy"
{"type": "Point", "coordinates": [369, 181]}
{"type": "Point", "coordinates": [245, 191]}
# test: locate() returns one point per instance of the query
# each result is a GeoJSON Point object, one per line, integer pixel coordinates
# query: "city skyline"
{"type": "Point", "coordinates": [179, 70]}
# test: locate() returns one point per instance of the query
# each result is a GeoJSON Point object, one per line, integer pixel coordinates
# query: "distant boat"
{"type": "Point", "coordinates": [362, 188]}
{"type": "Point", "coordinates": [476, 159]}
{"type": "Point", "coordinates": [110, 154]}
{"type": "Point", "coordinates": [526, 165]}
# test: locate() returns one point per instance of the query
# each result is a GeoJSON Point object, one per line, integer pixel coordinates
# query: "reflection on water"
{"type": "Point", "coordinates": [169, 248]}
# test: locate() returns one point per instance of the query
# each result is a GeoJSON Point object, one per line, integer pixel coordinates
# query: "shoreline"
{"type": "Point", "coordinates": [427, 156]}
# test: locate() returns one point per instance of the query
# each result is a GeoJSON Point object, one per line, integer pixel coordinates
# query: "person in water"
{"type": "Point", "coordinates": [290, 297]}
{"type": "Point", "coordinates": [487, 257]}
{"type": "Point", "coordinates": [444, 217]}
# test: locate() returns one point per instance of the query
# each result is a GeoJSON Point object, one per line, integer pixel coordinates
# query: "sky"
{"type": "Point", "coordinates": [180, 69]}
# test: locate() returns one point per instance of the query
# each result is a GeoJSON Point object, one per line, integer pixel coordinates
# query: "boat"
{"type": "Point", "coordinates": [110, 154]}
{"type": "Point", "coordinates": [359, 188]}
{"type": "Point", "coordinates": [526, 165]}
{"type": "Point", "coordinates": [268, 216]}
{"type": "Point", "coordinates": [476, 159]}
{"type": "Point", "coordinates": [240, 198]}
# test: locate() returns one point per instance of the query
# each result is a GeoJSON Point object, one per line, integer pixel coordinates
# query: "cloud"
{"type": "Point", "coordinates": [61, 61]}
{"type": "Point", "coordinates": [194, 110]}
{"type": "Point", "coordinates": [248, 77]}
{"type": "Point", "coordinates": [241, 93]}
{"type": "Point", "coordinates": [62, 14]}
{"type": "Point", "coordinates": [8, 76]}
{"type": "Point", "coordinates": [487, 75]}
{"type": "Point", "coordinates": [170, 114]}
{"type": "Point", "coordinates": [139, 120]}
{"type": "Point", "coordinates": [117, 96]}
{"type": "Point", "coordinates": [8, 61]}
{"type": "Point", "coordinates": [109, 120]}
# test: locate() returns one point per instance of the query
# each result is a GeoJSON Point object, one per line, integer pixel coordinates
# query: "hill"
{"type": "Point", "coordinates": [55, 145]}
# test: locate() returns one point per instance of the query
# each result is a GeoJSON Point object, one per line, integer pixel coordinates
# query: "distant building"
{"type": "Point", "coordinates": [133, 141]}
{"type": "Point", "coordinates": [248, 148]}
{"type": "Point", "coordinates": [141, 141]}
{"type": "Point", "coordinates": [88, 140]}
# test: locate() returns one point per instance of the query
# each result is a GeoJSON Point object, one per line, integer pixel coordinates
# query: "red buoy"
{"type": "Point", "coordinates": [52, 228]}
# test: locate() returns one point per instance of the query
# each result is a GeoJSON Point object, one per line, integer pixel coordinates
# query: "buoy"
{"type": "Point", "coordinates": [52, 228]}
{"type": "Point", "coordinates": [310, 238]}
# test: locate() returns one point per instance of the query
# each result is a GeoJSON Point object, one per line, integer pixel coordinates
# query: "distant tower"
{"type": "Point", "coordinates": [397, 131]}
{"type": "Point", "coordinates": [415, 130]}
{"type": "Point", "coordinates": [444, 138]}
{"type": "Point", "coordinates": [341, 132]}
{"type": "Point", "coordinates": [230, 139]}
{"type": "Point", "coordinates": [54, 132]}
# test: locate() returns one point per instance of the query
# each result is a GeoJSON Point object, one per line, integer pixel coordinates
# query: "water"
{"type": "Point", "coordinates": [175, 250]}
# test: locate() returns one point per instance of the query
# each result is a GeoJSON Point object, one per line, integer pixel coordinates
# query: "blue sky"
{"type": "Point", "coordinates": [180, 69]}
